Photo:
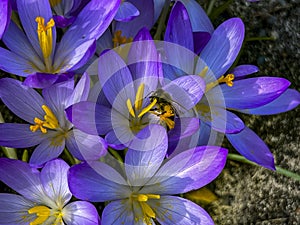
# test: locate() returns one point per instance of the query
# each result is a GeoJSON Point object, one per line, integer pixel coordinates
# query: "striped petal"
{"type": "Point", "coordinates": [248, 144]}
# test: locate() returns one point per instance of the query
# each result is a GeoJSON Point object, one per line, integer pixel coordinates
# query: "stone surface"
{"type": "Point", "coordinates": [249, 194]}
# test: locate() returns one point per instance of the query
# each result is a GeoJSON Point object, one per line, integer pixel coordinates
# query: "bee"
{"type": "Point", "coordinates": [164, 108]}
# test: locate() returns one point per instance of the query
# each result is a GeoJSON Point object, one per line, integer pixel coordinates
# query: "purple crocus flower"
{"type": "Point", "coordinates": [5, 12]}
{"type": "Point", "coordinates": [44, 196]}
{"type": "Point", "coordinates": [35, 53]}
{"type": "Point", "coordinates": [48, 126]}
{"type": "Point", "coordinates": [123, 107]}
{"type": "Point", "coordinates": [142, 191]}
{"type": "Point", "coordinates": [124, 31]}
{"type": "Point", "coordinates": [232, 91]}
{"type": "Point", "coordinates": [66, 11]}
{"type": "Point", "coordinates": [127, 12]}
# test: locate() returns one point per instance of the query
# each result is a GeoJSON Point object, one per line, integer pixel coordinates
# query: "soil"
{"type": "Point", "coordinates": [250, 194]}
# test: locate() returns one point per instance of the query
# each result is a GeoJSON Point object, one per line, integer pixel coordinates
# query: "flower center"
{"type": "Point", "coordinates": [136, 110]}
{"type": "Point", "coordinates": [118, 39]}
{"type": "Point", "coordinates": [45, 40]}
{"type": "Point", "coordinates": [50, 121]}
{"type": "Point", "coordinates": [163, 110]}
{"type": "Point", "coordinates": [42, 213]}
{"type": "Point", "coordinates": [223, 79]}
{"type": "Point", "coordinates": [147, 211]}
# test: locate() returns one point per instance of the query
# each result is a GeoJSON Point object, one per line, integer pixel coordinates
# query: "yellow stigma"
{"type": "Point", "coordinates": [223, 79]}
{"type": "Point", "coordinates": [118, 39]}
{"type": "Point", "coordinates": [45, 39]}
{"type": "Point", "coordinates": [50, 121]}
{"type": "Point", "coordinates": [54, 2]}
{"type": "Point", "coordinates": [42, 213]}
{"type": "Point", "coordinates": [148, 212]}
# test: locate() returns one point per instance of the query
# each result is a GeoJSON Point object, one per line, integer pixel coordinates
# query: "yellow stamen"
{"type": "Point", "coordinates": [203, 72]}
{"type": "Point", "coordinates": [42, 213]}
{"type": "Point", "coordinates": [139, 97]}
{"type": "Point", "coordinates": [146, 109]}
{"type": "Point", "coordinates": [228, 79]}
{"type": "Point", "coordinates": [166, 116]}
{"type": "Point", "coordinates": [118, 39]}
{"type": "Point", "coordinates": [54, 2]}
{"type": "Point", "coordinates": [50, 122]}
{"type": "Point", "coordinates": [45, 39]}
{"type": "Point", "coordinates": [146, 209]}
{"type": "Point", "coordinates": [223, 79]}
{"type": "Point", "coordinates": [130, 108]}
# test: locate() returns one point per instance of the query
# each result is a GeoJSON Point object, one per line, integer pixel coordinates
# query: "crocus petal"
{"type": "Point", "coordinates": [118, 212]}
{"type": "Point", "coordinates": [244, 70]}
{"type": "Point", "coordinates": [62, 22]}
{"type": "Point", "coordinates": [90, 117]}
{"type": "Point", "coordinates": [16, 135]}
{"type": "Point", "coordinates": [127, 12]}
{"type": "Point", "coordinates": [142, 163]}
{"type": "Point", "coordinates": [119, 140]}
{"type": "Point", "coordinates": [248, 144]}
{"type": "Point", "coordinates": [222, 49]}
{"type": "Point", "coordinates": [221, 120]}
{"type": "Point", "coordinates": [28, 12]}
{"type": "Point", "coordinates": [47, 150]}
{"type": "Point", "coordinates": [103, 43]}
{"type": "Point", "coordinates": [90, 23]}
{"type": "Point", "coordinates": [84, 146]}
{"type": "Point", "coordinates": [179, 28]}
{"type": "Point", "coordinates": [143, 57]}
{"type": "Point", "coordinates": [25, 180]}
{"type": "Point", "coordinates": [208, 136]}
{"type": "Point", "coordinates": [198, 17]}
{"type": "Point", "coordinates": [181, 136]}
{"type": "Point", "coordinates": [13, 63]}
{"type": "Point", "coordinates": [55, 181]}
{"type": "Point", "coordinates": [176, 210]}
{"type": "Point", "coordinates": [23, 101]}
{"type": "Point", "coordinates": [188, 170]}
{"type": "Point", "coordinates": [185, 91]}
{"type": "Point", "coordinates": [253, 92]}
{"type": "Point", "coordinates": [13, 209]}
{"type": "Point", "coordinates": [78, 57]}
{"type": "Point", "coordinates": [96, 182]}
{"type": "Point", "coordinates": [80, 212]}
{"type": "Point", "coordinates": [145, 19]}
{"type": "Point", "coordinates": [116, 81]}
{"type": "Point", "coordinates": [287, 101]}
{"type": "Point", "coordinates": [148, 138]}
{"type": "Point", "coordinates": [16, 40]}
{"type": "Point", "coordinates": [56, 97]}
{"type": "Point", "coordinates": [184, 127]}
{"type": "Point", "coordinates": [179, 33]}
{"type": "Point", "coordinates": [81, 91]}
{"type": "Point", "coordinates": [200, 41]}
{"type": "Point", "coordinates": [4, 15]}
{"type": "Point", "coordinates": [40, 80]}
